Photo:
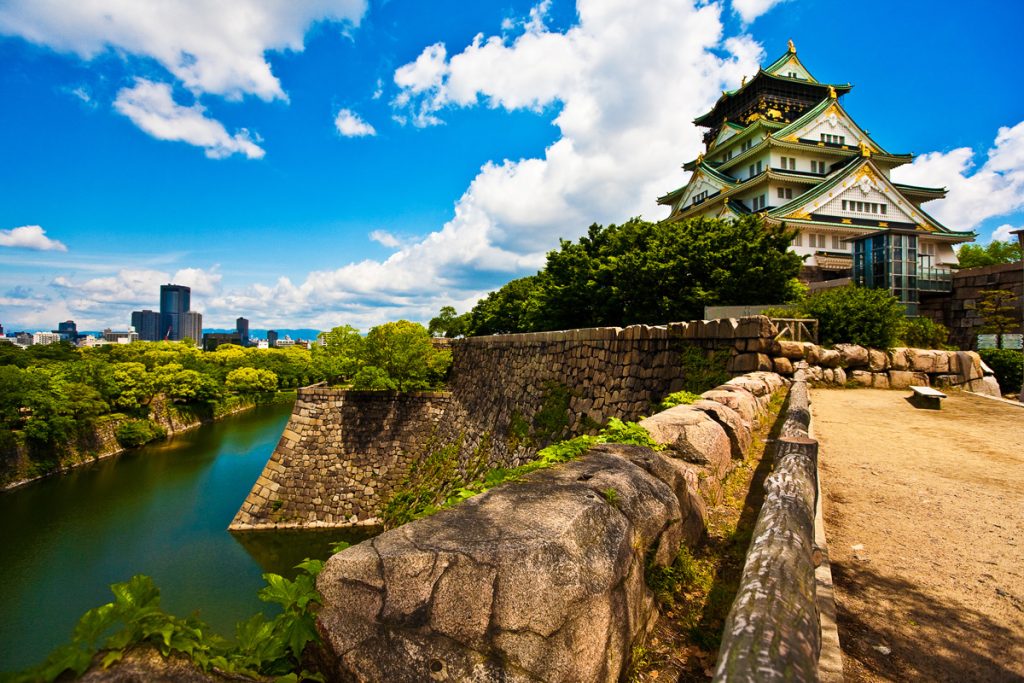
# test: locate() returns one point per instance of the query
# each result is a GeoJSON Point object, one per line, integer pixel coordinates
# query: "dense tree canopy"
{"type": "Point", "coordinates": [642, 272]}
{"type": "Point", "coordinates": [996, 252]}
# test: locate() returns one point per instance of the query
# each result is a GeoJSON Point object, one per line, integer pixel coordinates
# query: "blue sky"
{"type": "Point", "coordinates": [336, 162]}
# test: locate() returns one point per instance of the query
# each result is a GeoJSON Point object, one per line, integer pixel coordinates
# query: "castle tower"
{"type": "Point", "coordinates": [783, 146]}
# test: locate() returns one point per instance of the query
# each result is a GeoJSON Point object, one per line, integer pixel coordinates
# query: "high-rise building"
{"type": "Point", "coordinates": [192, 327]}
{"type": "Point", "coordinates": [67, 331]}
{"type": "Point", "coordinates": [242, 328]}
{"type": "Point", "coordinates": [120, 336]}
{"type": "Point", "coordinates": [782, 146]}
{"type": "Point", "coordinates": [45, 338]}
{"type": "Point", "coordinates": [271, 338]}
{"type": "Point", "coordinates": [147, 324]}
{"type": "Point", "coordinates": [175, 301]}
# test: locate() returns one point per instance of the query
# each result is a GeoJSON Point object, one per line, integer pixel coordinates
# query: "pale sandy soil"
{"type": "Point", "coordinates": [924, 512]}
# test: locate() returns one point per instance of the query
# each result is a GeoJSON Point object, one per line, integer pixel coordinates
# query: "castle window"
{"type": "Point", "coordinates": [759, 202]}
{"type": "Point", "coordinates": [837, 243]}
{"type": "Point", "coordinates": [798, 241]}
{"type": "Point", "coordinates": [818, 167]}
{"type": "Point", "coordinates": [833, 139]}
{"type": "Point", "coordinates": [788, 163]}
{"type": "Point", "coordinates": [785, 193]}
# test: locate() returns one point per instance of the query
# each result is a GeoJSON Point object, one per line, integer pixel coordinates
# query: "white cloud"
{"type": "Point", "coordinates": [975, 195]}
{"type": "Point", "coordinates": [623, 129]}
{"type": "Point", "coordinates": [211, 46]}
{"type": "Point", "coordinates": [30, 237]}
{"type": "Point", "coordinates": [152, 108]}
{"type": "Point", "coordinates": [385, 238]}
{"type": "Point", "coordinates": [749, 10]}
{"type": "Point", "coordinates": [351, 125]}
{"type": "Point", "coordinates": [1002, 233]}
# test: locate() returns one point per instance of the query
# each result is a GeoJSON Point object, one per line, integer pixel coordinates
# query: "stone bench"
{"type": "Point", "coordinates": [926, 397]}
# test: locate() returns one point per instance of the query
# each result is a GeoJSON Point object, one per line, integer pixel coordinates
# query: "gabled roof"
{"type": "Point", "coordinates": [789, 57]}
{"type": "Point", "coordinates": [701, 170]}
{"type": "Point", "coordinates": [803, 206]}
{"type": "Point", "coordinates": [829, 105]}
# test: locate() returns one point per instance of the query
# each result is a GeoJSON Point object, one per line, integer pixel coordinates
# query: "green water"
{"type": "Point", "coordinates": [162, 510]}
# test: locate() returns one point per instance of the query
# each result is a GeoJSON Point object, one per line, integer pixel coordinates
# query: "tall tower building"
{"type": "Point", "coordinates": [175, 301]}
{"type": "Point", "coordinates": [192, 327]}
{"type": "Point", "coordinates": [271, 338]}
{"type": "Point", "coordinates": [782, 146]}
{"type": "Point", "coordinates": [147, 324]}
{"type": "Point", "coordinates": [242, 327]}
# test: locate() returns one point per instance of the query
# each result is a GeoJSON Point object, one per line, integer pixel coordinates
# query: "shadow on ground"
{"type": "Point", "coordinates": [961, 645]}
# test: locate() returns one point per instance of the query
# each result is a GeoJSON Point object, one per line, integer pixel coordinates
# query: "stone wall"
{"type": "Point", "coordinates": [897, 368]}
{"type": "Point", "coordinates": [956, 310]}
{"type": "Point", "coordinates": [343, 453]}
{"type": "Point", "coordinates": [543, 579]}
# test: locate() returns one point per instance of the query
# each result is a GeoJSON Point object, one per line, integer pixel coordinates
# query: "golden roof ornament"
{"type": "Point", "coordinates": [792, 47]}
{"type": "Point", "coordinates": [832, 92]}
{"type": "Point", "coordinates": [700, 158]}
{"type": "Point", "coordinates": [743, 82]}
{"type": "Point", "coordinates": [865, 151]}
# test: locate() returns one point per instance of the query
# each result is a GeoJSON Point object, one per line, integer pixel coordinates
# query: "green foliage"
{"type": "Point", "coordinates": [856, 315]}
{"type": "Point", "coordinates": [133, 433]}
{"type": "Point", "coordinates": [976, 256]}
{"type": "Point", "coordinates": [685, 572]}
{"type": "Point", "coordinates": [703, 370]}
{"type": "Point", "coordinates": [262, 647]}
{"type": "Point", "coordinates": [997, 313]}
{"type": "Point", "coordinates": [551, 421]}
{"type": "Point", "coordinates": [449, 324]}
{"type": "Point", "coordinates": [370, 378]}
{"type": "Point", "coordinates": [404, 352]}
{"type": "Point", "coordinates": [678, 398]}
{"type": "Point", "coordinates": [641, 272]}
{"type": "Point", "coordinates": [338, 358]}
{"type": "Point", "coordinates": [1008, 366]}
{"type": "Point", "coordinates": [512, 308]}
{"type": "Point", "coordinates": [611, 496]}
{"type": "Point", "coordinates": [437, 482]}
{"type": "Point", "coordinates": [251, 381]}
{"type": "Point", "coordinates": [923, 333]}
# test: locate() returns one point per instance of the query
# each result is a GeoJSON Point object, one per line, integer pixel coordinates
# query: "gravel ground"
{"type": "Point", "coordinates": [924, 512]}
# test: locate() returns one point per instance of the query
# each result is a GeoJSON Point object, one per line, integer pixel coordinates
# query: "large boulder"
{"type": "Point", "coordinates": [739, 431]}
{"type": "Point", "coordinates": [853, 355]}
{"type": "Point", "coordinates": [540, 580]}
{"type": "Point", "coordinates": [877, 360]}
{"type": "Point", "coordinates": [693, 435]}
{"type": "Point", "coordinates": [737, 398]}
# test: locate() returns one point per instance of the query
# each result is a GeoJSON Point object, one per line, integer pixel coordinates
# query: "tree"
{"type": "Point", "coordinates": [403, 351]}
{"type": "Point", "coordinates": [449, 324]}
{"type": "Point", "coordinates": [337, 358]}
{"type": "Point", "coordinates": [370, 378]}
{"type": "Point", "coordinates": [856, 315]}
{"type": "Point", "coordinates": [512, 308]}
{"type": "Point", "coordinates": [976, 256]}
{"type": "Point", "coordinates": [251, 381]}
{"type": "Point", "coordinates": [184, 386]}
{"type": "Point", "coordinates": [642, 272]}
{"type": "Point", "coordinates": [996, 312]}
{"type": "Point", "coordinates": [134, 386]}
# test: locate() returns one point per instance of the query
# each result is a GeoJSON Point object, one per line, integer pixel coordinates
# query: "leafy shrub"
{"type": "Point", "coordinates": [678, 398]}
{"type": "Point", "coordinates": [372, 378]}
{"type": "Point", "coordinates": [263, 647]}
{"type": "Point", "coordinates": [133, 433]}
{"type": "Point", "coordinates": [923, 333]}
{"type": "Point", "coordinates": [1008, 365]}
{"type": "Point", "coordinates": [703, 370]}
{"type": "Point", "coordinates": [856, 315]}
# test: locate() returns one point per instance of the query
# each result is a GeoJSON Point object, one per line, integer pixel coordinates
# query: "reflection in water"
{"type": "Point", "coordinates": [162, 510]}
{"type": "Point", "coordinates": [279, 551]}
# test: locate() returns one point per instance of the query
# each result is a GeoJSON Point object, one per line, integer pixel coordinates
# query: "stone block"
{"type": "Point", "coordinates": [853, 355]}
{"type": "Point", "coordinates": [902, 379]}
{"type": "Point", "coordinates": [898, 359]}
{"type": "Point", "coordinates": [739, 430]}
{"type": "Point", "coordinates": [877, 360]}
{"type": "Point", "coordinates": [921, 360]}
{"type": "Point", "coordinates": [693, 436]}
{"type": "Point", "coordinates": [792, 350]}
{"type": "Point", "coordinates": [880, 380]}
{"type": "Point", "coordinates": [750, 362]}
{"type": "Point", "coordinates": [861, 377]}
{"type": "Point", "coordinates": [782, 365]}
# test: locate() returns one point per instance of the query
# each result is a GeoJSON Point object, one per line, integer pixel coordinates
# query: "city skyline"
{"type": "Point", "coordinates": [362, 163]}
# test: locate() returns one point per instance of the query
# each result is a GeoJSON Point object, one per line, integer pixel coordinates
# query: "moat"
{"type": "Point", "coordinates": [162, 510]}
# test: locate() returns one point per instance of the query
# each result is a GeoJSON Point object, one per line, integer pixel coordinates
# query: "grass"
{"type": "Point", "coordinates": [696, 592]}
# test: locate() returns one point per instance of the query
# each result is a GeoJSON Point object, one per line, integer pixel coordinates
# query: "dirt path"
{"type": "Point", "coordinates": [924, 512]}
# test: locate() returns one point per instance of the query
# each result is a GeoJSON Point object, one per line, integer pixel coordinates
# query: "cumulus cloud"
{"type": "Point", "coordinates": [996, 188]}
{"type": "Point", "coordinates": [1003, 233]}
{"type": "Point", "coordinates": [748, 10]}
{"type": "Point", "coordinates": [623, 116]}
{"type": "Point", "coordinates": [30, 237]}
{"type": "Point", "coordinates": [209, 45]}
{"type": "Point", "coordinates": [351, 125]}
{"type": "Point", "coordinates": [152, 108]}
{"type": "Point", "coordinates": [385, 238]}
